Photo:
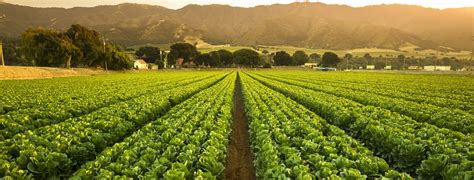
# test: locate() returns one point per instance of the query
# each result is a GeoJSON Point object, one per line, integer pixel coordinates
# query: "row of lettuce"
{"type": "Point", "coordinates": [179, 129]}
{"type": "Point", "coordinates": [57, 100]}
{"type": "Point", "coordinates": [455, 94]}
{"type": "Point", "coordinates": [289, 141]}
{"type": "Point", "coordinates": [190, 141]}
{"type": "Point", "coordinates": [57, 150]}
{"type": "Point", "coordinates": [418, 148]}
{"type": "Point", "coordinates": [444, 117]}
{"type": "Point", "coordinates": [27, 94]}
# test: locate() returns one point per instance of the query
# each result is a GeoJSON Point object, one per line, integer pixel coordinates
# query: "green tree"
{"type": "Point", "coordinates": [379, 64]}
{"type": "Point", "coordinates": [368, 58]}
{"type": "Point", "coordinates": [445, 61]}
{"type": "Point", "coordinates": [348, 58]}
{"type": "Point", "coordinates": [226, 57]}
{"type": "Point", "coordinates": [181, 50]}
{"type": "Point", "coordinates": [88, 41]}
{"type": "Point", "coordinates": [315, 57]}
{"type": "Point", "coordinates": [203, 59]}
{"type": "Point", "coordinates": [246, 57]}
{"type": "Point", "coordinates": [330, 60]}
{"type": "Point", "coordinates": [149, 53]}
{"type": "Point", "coordinates": [282, 58]}
{"type": "Point", "coordinates": [300, 57]}
{"type": "Point", "coordinates": [49, 48]}
{"type": "Point", "coordinates": [401, 60]}
{"type": "Point", "coordinates": [117, 59]}
{"type": "Point", "coordinates": [215, 60]}
{"type": "Point", "coordinates": [12, 54]}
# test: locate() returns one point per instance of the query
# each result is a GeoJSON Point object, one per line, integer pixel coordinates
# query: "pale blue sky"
{"type": "Point", "coordinates": [174, 4]}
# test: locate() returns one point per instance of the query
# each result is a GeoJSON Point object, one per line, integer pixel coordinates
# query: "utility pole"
{"type": "Point", "coordinates": [347, 63]}
{"type": "Point", "coordinates": [105, 59]}
{"type": "Point", "coordinates": [403, 68]}
{"type": "Point", "coordinates": [1, 53]}
{"type": "Point", "coordinates": [472, 50]}
{"type": "Point", "coordinates": [2, 17]}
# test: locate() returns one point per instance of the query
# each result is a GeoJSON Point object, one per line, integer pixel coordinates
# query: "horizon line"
{"type": "Point", "coordinates": [333, 4]}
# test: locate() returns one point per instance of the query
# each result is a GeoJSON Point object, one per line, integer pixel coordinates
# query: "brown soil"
{"type": "Point", "coordinates": [239, 158]}
{"type": "Point", "coordinates": [26, 72]}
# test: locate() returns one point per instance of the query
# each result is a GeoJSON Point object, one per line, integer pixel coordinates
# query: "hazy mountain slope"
{"type": "Point", "coordinates": [314, 25]}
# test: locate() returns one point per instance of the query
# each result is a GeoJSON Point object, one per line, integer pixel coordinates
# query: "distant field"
{"type": "Point", "coordinates": [25, 72]}
{"type": "Point", "coordinates": [263, 124]}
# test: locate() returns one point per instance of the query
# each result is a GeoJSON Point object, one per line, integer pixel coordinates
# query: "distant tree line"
{"type": "Point", "coordinates": [190, 56]}
{"type": "Point", "coordinates": [243, 57]}
{"type": "Point", "coordinates": [77, 47]}
{"type": "Point", "coordinates": [401, 62]}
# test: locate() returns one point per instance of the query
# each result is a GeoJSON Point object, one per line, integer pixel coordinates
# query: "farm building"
{"type": "Point", "coordinates": [140, 64]}
{"type": "Point", "coordinates": [310, 65]}
{"type": "Point", "coordinates": [415, 68]}
{"type": "Point", "coordinates": [189, 64]}
{"type": "Point", "coordinates": [152, 66]}
{"type": "Point", "coordinates": [179, 62]}
{"type": "Point", "coordinates": [437, 68]}
{"type": "Point", "coordinates": [467, 68]}
{"type": "Point", "coordinates": [370, 67]}
{"type": "Point", "coordinates": [387, 67]}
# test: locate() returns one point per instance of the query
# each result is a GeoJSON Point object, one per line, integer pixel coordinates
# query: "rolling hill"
{"type": "Point", "coordinates": [311, 25]}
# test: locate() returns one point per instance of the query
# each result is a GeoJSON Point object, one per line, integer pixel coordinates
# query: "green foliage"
{"type": "Point", "coordinates": [203, 59]}
{"type": "Point", "coordinates": [330, 60]}
{"type": "Point", "coordinates": [226, 57]}
{"type": "Point", "coordinates": [267, 65]}
{"type": "Point", "coordinates": [78, 46]}
{"type": "Point", "coordinates": [59, 147]}
{"type": "Point", "coordinates": [247, 57]}
{"type": "Point", "coordinates": [290, 141]}
{"type": "Point", "coordinates": [303, 125]}
{"type": "Point", "coordinates": [404, 133]}
{"type": "Point", "coordinates": [49, 48]}
{"type": "Point", "coordinates": [189, 141]}
{"type": "Point", "coordinates": [300, 57]}
{"type": "Point", "coordinates": [212, 59]}
{"type": "Point", "coordinates": [181, 50]}
{"type": "Point", "coordinates": [117, 59]}
{"type": "Point", "coordinates": [315, 57]}
{"type": "Point", "coordinates": [348, 56]}
{"type": "Point", "coordinates": [12, 54]}
{"type": "Point", "coordinates": [149, 53]}
{"type": "Point", "coordinates": [282, 58]}
{"type": "Point", "coordinates": [88, 41]}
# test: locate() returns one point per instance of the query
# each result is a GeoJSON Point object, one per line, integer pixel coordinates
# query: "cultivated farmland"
{"type": "Point", "coordinates": [243, 124]}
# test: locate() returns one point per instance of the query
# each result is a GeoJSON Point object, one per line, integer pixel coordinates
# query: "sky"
{"type": "Point", "coordinates": [175, 4]}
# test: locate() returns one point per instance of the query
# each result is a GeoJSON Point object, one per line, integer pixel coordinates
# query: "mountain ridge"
{"type": "Point", "coordinates": [312, 25]}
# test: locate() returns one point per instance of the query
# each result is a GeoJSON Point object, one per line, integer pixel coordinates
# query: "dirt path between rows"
{"type": "Point", "coordinates": [239, 157]}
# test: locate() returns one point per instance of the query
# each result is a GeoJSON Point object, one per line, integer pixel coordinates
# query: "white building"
{"type": "Point", "coordinates": [415, 67]}
{"type": "Point", "coordinates": [140, 64]}
{"type": "Point", "coordinates": [370, 67]}
{"type": "Point", "coordinates": [310, 65]}
{"type": "Point", "coordinates": [387, 67]}
{"type": "Point", "coordinates": [437, 68]}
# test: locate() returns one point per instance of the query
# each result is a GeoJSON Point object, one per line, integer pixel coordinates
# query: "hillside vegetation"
{"type": "Point", "coordinates": [310, 25]}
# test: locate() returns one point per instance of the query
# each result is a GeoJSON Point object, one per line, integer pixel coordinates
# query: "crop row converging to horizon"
{"type": "Point", "coordinates": [177, 125]}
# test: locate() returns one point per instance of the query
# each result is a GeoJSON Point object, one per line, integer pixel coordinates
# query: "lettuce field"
{"type": "Point", "coordinates": [245, 124]}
